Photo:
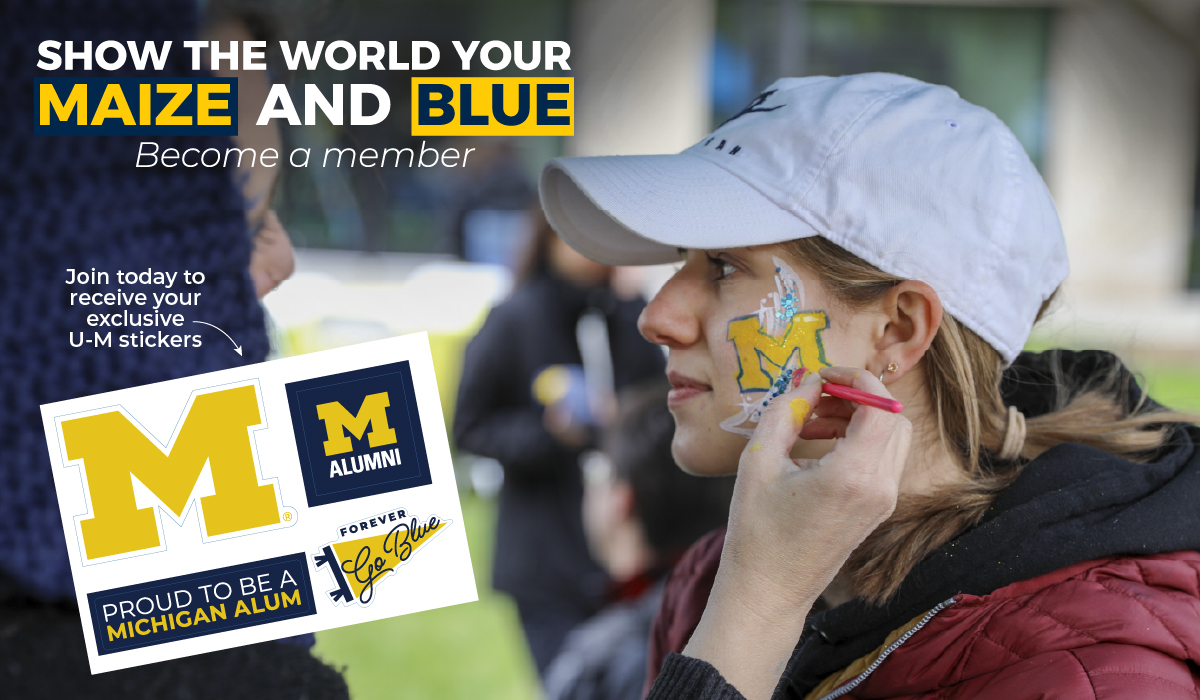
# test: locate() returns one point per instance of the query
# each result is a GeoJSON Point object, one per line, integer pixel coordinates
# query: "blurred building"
{"type": "Point", "coordinates": [1102, 94]}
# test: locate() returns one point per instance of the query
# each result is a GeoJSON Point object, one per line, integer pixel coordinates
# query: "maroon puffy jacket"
{"type": "Point", "coordinates": [683, 600]}
{"type": "Point", "coordinates": [1112, 628]}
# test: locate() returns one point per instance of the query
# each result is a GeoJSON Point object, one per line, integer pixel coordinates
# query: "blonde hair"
{"type": "Point", "coordinates": [963, 374]}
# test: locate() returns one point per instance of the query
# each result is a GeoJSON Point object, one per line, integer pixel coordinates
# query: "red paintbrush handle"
{"type": "Point", "coordinates": [850, 394]}
{"type": "Point", "coordinates": [862, 397]}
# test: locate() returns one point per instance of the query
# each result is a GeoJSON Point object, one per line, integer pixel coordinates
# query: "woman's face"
{"type": "Point", "coordinates": [738, 324]}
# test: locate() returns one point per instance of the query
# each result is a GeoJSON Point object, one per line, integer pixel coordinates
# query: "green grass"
{"type": "Point", "coordinates": [473, 650]}
{"type": "Point", "coordinates": [1172, 383]}
{"type": "Point", "coordinates": [1175, 386]}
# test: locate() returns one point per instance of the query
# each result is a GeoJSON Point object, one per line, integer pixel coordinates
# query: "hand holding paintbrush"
{"type": "Point", "coordinates": [851, 394]}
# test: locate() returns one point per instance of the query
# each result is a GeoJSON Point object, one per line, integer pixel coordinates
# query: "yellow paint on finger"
{"type": "Point", "coordinates": [756, 447]}
{"type": "Point", "coordinates": [800, 410]}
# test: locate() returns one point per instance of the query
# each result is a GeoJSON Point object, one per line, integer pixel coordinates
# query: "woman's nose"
{"type": "Point", "coordinates": [671, 317]}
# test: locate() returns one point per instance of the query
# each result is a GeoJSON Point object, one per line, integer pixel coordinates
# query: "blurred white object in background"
{"type": "Point", "coordinates": [485, 475]}
{"type": "Point", "coordinates": [338, 297]}
{"type": "Point", "coordinates": [342, 298]}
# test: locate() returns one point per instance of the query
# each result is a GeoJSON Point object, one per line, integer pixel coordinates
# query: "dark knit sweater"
{"type": "Point", "coordinates": [78, 202]}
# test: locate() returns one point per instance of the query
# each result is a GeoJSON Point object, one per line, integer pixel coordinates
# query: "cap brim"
{"type": "Point", "coordinates": [639, 210]}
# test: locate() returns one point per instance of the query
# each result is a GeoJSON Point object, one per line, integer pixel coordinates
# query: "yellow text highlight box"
{"type": "Point", "coordinates": [493, 106]}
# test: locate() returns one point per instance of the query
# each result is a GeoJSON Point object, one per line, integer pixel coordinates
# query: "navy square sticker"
{"type": "Point", "coordinates": [358, 433]}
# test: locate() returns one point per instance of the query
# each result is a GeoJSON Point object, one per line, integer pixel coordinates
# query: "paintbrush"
{"type": "Point", "coordinates": [851, 394]}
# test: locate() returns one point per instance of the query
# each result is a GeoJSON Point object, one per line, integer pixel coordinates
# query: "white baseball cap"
{"type": "Point", "coordinates": [906, 175]}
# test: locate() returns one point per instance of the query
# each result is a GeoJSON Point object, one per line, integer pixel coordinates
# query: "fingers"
{"type": "Point", "coordinates": [821, 428]}
{"type": "Point", "coordinates": [857, 378]}
{"type": "Point", "coordinates": [830, 418]}
{"type": "Point", "coordinates": [873, 436]}
{"type": "Point", "coordinates": [833, 407]}
{"type": "Point", "coordinates": [781, 421]}
{"type": "Point", "coordinates": [273, 259]}
{"type": "Point", "coordinates": [862, 422]}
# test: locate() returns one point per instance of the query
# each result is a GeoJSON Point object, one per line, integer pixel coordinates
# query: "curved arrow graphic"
{"type": "Point", "coordinates": [236, 348]}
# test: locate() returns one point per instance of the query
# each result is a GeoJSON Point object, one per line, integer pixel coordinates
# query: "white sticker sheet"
{"type": "Point", "coordinates": [259, 502]}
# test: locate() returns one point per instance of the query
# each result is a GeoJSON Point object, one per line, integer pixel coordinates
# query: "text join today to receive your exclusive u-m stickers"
{"type": "Point", "coordinates": [259, 502]}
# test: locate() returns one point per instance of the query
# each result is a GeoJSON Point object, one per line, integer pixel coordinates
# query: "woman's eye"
{"type": "Point", "coordinates": [723, 268]}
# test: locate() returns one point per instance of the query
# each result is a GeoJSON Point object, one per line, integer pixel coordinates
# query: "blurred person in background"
{"type": "Point", "coordinates": [537, 383]}
{"type": "Point", "coordinates": [640, 512]}
{"type": "Point", "coordinates": [272, 260]}
{"type": "Point", "coordinates": [492, 205]}
{"type": "Point", "coordinates": [79, 202]}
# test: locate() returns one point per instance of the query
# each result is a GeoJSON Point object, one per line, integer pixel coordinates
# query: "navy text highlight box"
{"type": "Point", "coordinates": [208, 602]}
{"type": "Point", "coordinates": [358, 433]}
{"type": "Point", "coordinates": [142, 106]}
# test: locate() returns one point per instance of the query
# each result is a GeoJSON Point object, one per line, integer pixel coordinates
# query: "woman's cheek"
{"type": "Point", "coordinates": [772, 346]}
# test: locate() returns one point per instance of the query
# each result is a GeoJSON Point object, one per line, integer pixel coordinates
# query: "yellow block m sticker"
{"type": "Point", "coordinates": [216, 431]}
{"type": "Point", "coordinates": [338, 420]}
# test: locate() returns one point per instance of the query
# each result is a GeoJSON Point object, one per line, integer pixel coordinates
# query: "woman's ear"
{"type": "Point", "coordinates": [914, 314]}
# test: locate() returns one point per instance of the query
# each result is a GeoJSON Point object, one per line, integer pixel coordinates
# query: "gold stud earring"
{"type": "Point", "coordinates": [891, 367]}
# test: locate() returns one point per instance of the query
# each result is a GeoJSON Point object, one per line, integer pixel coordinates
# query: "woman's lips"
{"type": "Point", "coordinates": [683, 389]}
